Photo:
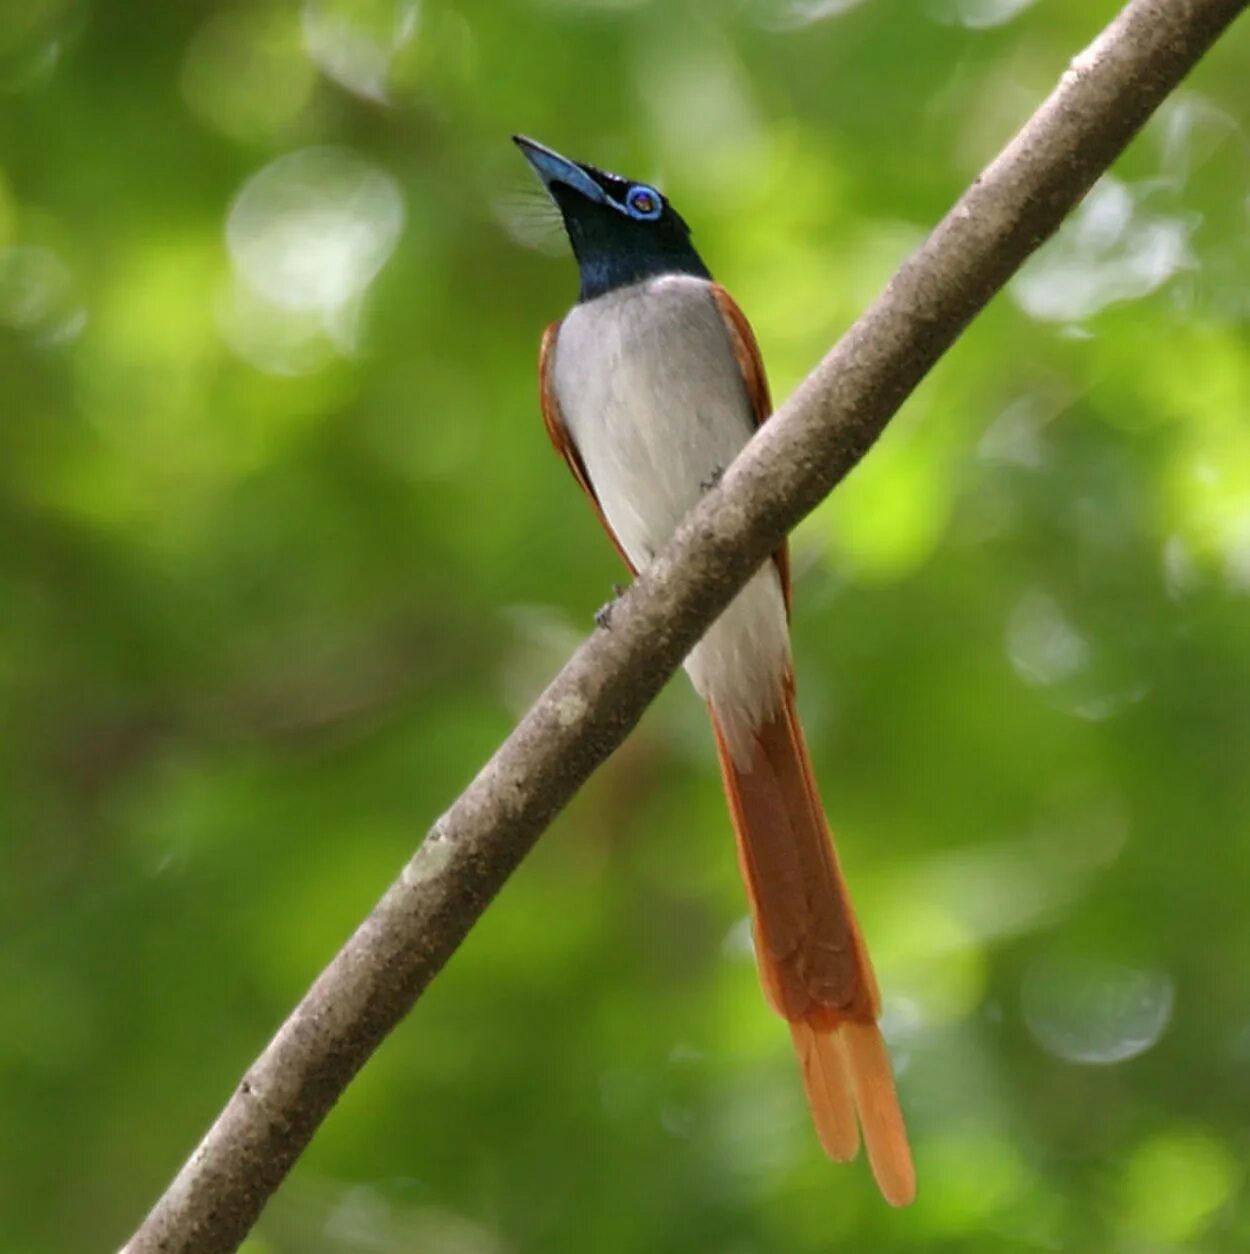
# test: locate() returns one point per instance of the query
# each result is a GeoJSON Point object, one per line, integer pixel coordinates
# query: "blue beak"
{"type": "Point", "coordinates": [553, 168]}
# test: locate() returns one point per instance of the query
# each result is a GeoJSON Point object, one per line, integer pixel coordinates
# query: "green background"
{"type": "Point", "coordinates": [284, 553]}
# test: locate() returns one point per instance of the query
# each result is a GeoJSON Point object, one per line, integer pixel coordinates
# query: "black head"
{"type": "Point", "coordinates": [621, 231]}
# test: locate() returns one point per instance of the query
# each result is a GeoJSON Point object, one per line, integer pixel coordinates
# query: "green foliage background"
{"type": "Point", "coordinates": [275, 579]}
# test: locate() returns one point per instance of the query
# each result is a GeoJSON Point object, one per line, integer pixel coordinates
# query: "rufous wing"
{"type": "Point", "coordinates": [558, 433]}
{"type": "Point", "coordinates": [746, 351]}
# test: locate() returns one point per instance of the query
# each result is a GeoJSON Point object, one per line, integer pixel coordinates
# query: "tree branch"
{"type": "Point", "coordinates": [809, 446]}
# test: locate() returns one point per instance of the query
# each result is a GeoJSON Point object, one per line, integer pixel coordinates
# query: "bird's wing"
{"type": "Point", "coordinates": [558, 433]}
{"type": "Point", "coordinates": [751, 364]}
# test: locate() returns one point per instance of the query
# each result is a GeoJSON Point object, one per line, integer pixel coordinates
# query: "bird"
{"type": "Point", "coordinates": [649, 387]}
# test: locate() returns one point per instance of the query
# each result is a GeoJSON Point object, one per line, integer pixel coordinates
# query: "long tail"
{"type": "Point", "coordinates": [812, 960]}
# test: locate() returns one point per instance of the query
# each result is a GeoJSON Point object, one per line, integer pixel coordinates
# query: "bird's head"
{"type": "Point", "coordinates": [621, 231]}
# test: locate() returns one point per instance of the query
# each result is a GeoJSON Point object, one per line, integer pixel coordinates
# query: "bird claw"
{"type": "Point", "coordinates": [603, 615]}
{"type": "Point", "coordinates": [714, 481]}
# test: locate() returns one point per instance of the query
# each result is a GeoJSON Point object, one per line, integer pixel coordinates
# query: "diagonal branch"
{"type": "Point", "coordinates": [809, 446]}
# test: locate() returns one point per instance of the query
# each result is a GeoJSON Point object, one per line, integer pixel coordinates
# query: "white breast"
{"type": "Point", "coordinates": [649, 389]}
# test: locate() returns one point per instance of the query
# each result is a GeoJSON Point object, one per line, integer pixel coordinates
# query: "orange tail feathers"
{"type": "Point", "coordinates": [812, 960]}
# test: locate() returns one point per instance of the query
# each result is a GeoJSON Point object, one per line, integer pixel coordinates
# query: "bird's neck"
{"type": "Point", "coordinates": [606, 270]}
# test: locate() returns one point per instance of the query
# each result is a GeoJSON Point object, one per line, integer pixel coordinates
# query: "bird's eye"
{"type": "Point", "coordinates": [643, 202]}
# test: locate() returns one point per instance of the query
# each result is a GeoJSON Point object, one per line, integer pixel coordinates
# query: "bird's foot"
{"type": "Point", "coordinates": [714, 480]}
{"type": "Point", "coordinates": [603, 615]}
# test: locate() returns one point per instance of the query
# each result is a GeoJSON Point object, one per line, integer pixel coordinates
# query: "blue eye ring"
{"type": "Point", "coordinates": [643, 202]}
